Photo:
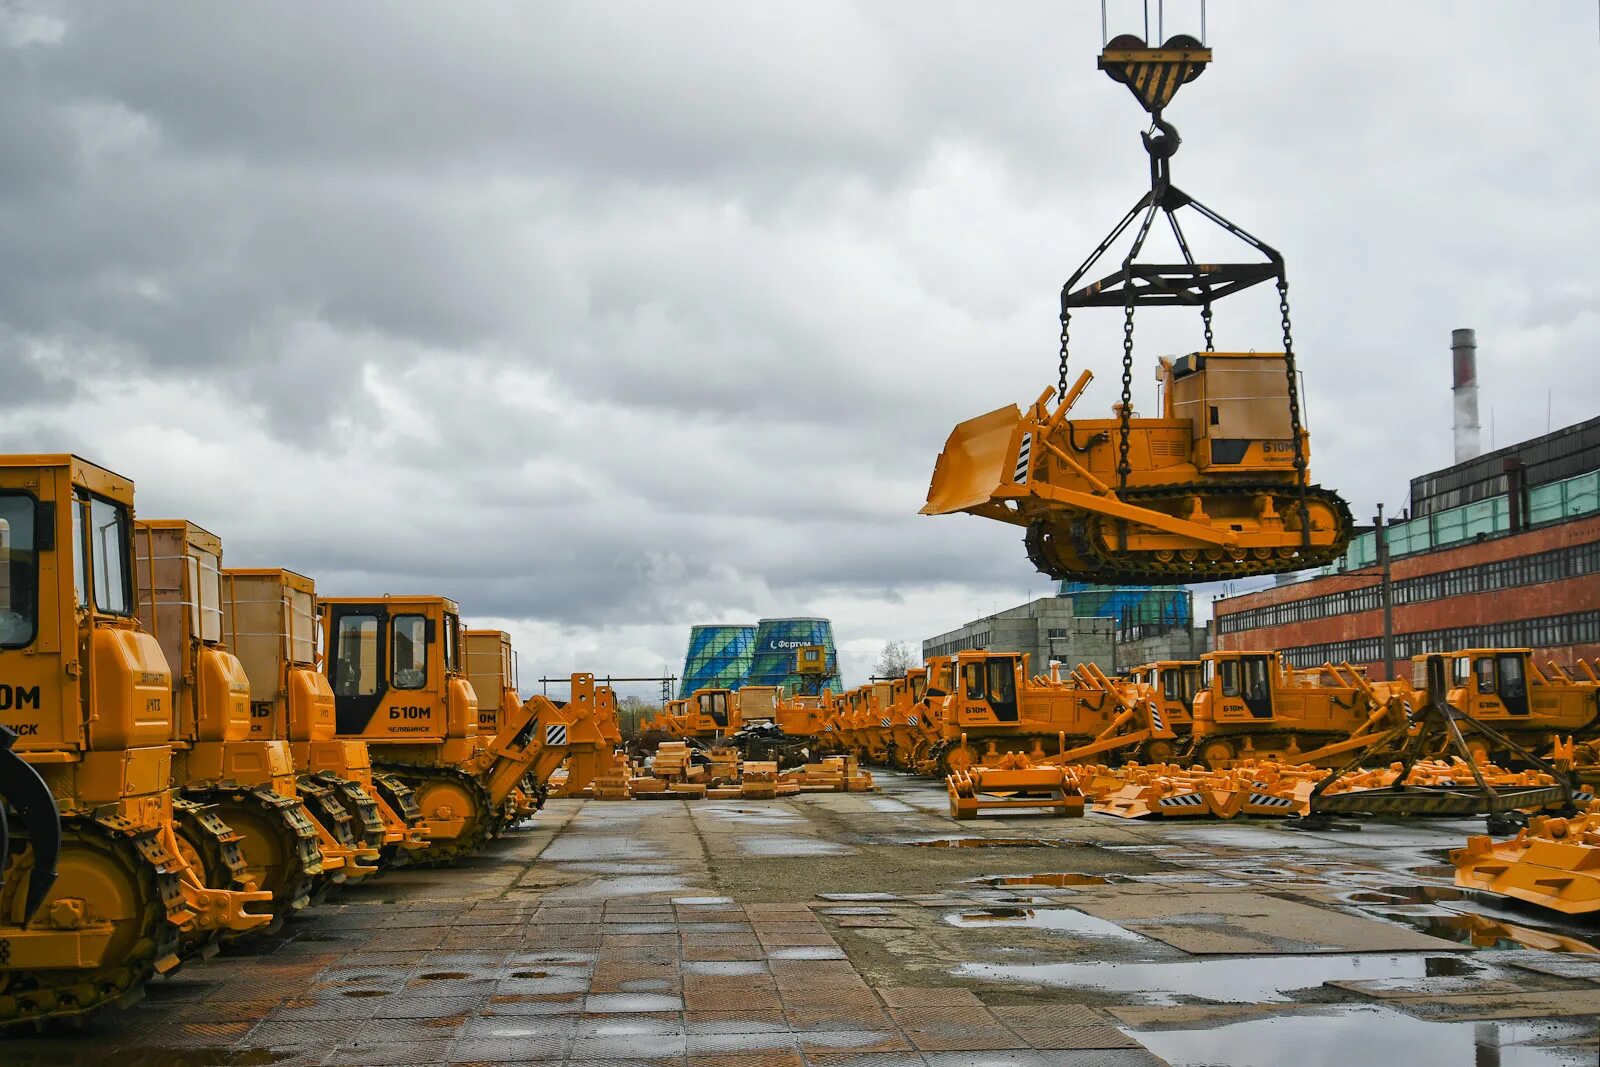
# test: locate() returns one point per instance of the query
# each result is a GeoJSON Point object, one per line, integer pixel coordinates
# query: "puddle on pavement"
{"type": "Point", "coordinates": [1408, 894]}
{"type": "Point", "coordinates": [1062, 879]}
{"type": "Point", "coordinates": [604, 888]}
{"type": "Point", "coordinates": [362, 993]}
{"type": "Point", "coordinates": [1480, 931]}
{"type": "Point", "coordinates": [985, 842]}
{"type": "Point", "coordinates": [723, 967]}
{"type": "Point", "coordinates": [855, 911]}
{"type": "Point", "coordinates": [1243, 980]}
{"type": "Point", "coordinates": [530, 974]}
{"type": "Point", "coordinates": [790, 845]}
{"type": "Point", "coordinates": [1065, 920]}
{"type": "Point", "coordinates": [1371, 1036]}
{"type": "Point", "coordinates": [443, 976]}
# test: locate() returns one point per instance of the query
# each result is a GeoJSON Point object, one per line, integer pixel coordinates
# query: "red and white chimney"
{"type": "Point", "coordinates": [1464, 356]}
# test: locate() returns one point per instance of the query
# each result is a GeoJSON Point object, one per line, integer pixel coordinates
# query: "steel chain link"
{"type": "Point", "coordinates": [1127, 396]}
{"type": "Point", "coordinates": [1205, 317]}
{"type": "Point", "coordinates": [1294, 411]}
{"type": "Point", "coordinates": [1061, 388]}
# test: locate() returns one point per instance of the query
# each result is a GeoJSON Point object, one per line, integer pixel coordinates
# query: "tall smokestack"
{"type": "Point", "coordinates": [1464, 356]}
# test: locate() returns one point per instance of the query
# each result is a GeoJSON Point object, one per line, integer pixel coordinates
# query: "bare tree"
{"type": "Point", "coordinates": [895, 659]}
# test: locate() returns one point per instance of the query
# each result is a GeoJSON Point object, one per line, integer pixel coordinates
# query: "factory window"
{"type": "Point", "coordinates": [1058, 634]}
{"type": "Point", "coordinates": [1548, 632]}
{"type": "Point", "coordinates": [409, 655]}
{"type": "Point", "coordinates": [1555, 565]}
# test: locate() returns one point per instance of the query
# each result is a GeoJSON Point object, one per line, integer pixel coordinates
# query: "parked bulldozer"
{"type": "Point", "coordinates": [1170, 686]}
{"type": "Point", "coordinates": [249, 781]}
{"type": "Point", "coordinates": [1506, 689]}
{"type": "Point", "coordinates": [394, 664]}
{"type": "Point", "coordinates": [1218, 486]}
{"type": "Point", "coordinates": [995, 709]}
{"type": "Point", "coordinates": [1252, 706]}
{"type": "Point", "coordinates": [492, 670]}
{"type": "Point", "coordinates": [269, 620]}
{"type": "Point", "coordinates": [97, 893]}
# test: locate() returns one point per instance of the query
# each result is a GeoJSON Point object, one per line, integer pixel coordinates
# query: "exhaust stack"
{"type": "Point", "coordinates": [1464, 356]}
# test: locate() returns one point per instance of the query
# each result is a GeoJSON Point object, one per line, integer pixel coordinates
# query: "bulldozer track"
{"type": "Point", "coordinates": [221, 860]}
{"type": "Point", "coordinates": [300, 851]}
{"type": "Point", "coordinates": [366, 823]}
{"type": "Point", "coordinates": [1146, 568]}
{"type": "Point", "coordinates": [38, 998]}
{"type": "Point", "coordinates": [478, 829]}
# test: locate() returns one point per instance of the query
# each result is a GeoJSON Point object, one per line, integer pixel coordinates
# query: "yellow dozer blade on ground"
{"type": "Point", "coordinates": [1210, 489]}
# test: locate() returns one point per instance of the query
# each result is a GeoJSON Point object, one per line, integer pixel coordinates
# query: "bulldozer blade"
{"type": "Point", "coordinates": [26, 792]}
{"type": "Point", "coordinates": [977, 460]}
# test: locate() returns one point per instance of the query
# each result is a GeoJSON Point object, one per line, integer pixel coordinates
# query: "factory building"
{"type": "Point", "coordinates": [1501, 550]}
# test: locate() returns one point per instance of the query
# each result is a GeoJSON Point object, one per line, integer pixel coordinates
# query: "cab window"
{"type": "Point", "coordinates": [409, 655]}
{"type": "Point", "coordinates": [1189, 684]}
{"type": "Point", "coordinates": [1257, 677]}
{"type": "Point", "coordinates": [919, 687]}
{"type": "Point", "coordinates": [452, 643]}
{"type": "Point", "coordinates": [1485, 670]}
{"type": "Point", "coordinates": [19, 578]}
{"type": "Point", "coordinates": [108, 552]}
{"type": "Point", "coordinates": [1002, 681]}
{"type": "Point", "coordinates": [1512, 682]}
{"type": "Point", "coordinates": [355, 656]}
{"type": "Point", "coordinates": [1169, 685]}
{"type": "Point", "coordinates": [1460, 671]}
{"type": "Point", "coordinates": [972, 680]}
{"type": "Point", "coordinates": [1228, 670]}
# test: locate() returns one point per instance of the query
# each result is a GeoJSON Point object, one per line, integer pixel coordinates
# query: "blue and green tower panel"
{"type": "Point", "coordinates": [775, 644]}
{"type": "Point", "coordinates": [718, 658]}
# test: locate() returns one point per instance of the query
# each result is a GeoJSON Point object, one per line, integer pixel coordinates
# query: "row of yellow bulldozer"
{"type": "Point", "coordinates": [178, 764]}
{"type": "Point", "coordinates": [1227, 708]}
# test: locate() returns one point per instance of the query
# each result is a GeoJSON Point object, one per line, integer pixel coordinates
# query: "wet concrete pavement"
{"type": "Point", "coordinates": [822, 930]}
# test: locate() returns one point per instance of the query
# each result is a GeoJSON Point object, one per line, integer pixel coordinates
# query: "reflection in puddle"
{"type": "Point", "coordinates": [985, 842]}
{"type": "Point", "coordinates": [1254, 979]}
{"type": "Point", "coordinates": [1408, 894]}
{"type": "Point", "coordinates": [1370, 1036]}
{"type": "Point", "coordinates": [1067, 920]}
{"type": "Point", "coordinates": [1063, 879]}
{"type": "Point", "coordinates": [1480, 931]}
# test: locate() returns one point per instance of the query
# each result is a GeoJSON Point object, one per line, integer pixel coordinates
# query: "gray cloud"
{"type": "Point", "coordinates": [606, 320]}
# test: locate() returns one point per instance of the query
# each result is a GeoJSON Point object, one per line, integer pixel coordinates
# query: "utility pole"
{"type": "Point", "coordinates": [1385, 593]}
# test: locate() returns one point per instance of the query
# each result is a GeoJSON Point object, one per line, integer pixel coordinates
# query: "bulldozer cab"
{"type": "Point", "coordinates": [1177, 682]}
{"type": "Point", "coordinates": [1239, 684]}
{"type": "Point", "coordinates": [492, 670]}
{"type": "Point", "coordinates": [1490, 681]}
{"type": "Point", "coordinates": [179, 598]}
{"type": "Point", "coordinates": [396, 670]}
{"type": "Point", "coordinates": [269, 620]}
{"type": "Point", "coordinates": [67, 613]}
{"type": "Point", "coordinates": [989, 683]}
{"type": "Point", "coordinates": [758, 703]}
{"type": "Point", "coordinates": [1237, 408]}
{"type": "Point", "coordinates": [710, 709]}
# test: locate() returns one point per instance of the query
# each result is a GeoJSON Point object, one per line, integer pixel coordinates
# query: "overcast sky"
{"type": "Point", "coordinates": [609, 318]}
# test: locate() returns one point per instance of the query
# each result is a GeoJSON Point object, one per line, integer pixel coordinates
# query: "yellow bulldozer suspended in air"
{"type": "Point", "coordinates": [1217, 486]}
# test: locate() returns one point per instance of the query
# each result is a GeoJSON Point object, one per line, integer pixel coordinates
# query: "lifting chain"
{"type": "Point", "coordinates": [1294, 410]}
{"type": "Point", "coordinates": [1061, 387]}
{"type": "Point", "coordinates": [1127, 396]}
{"type": "Point", "coordinates": [1205, 317]}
